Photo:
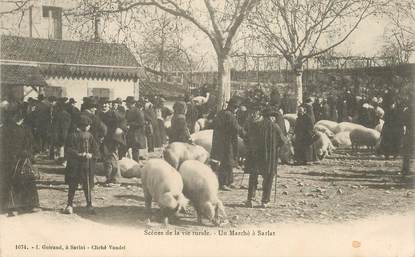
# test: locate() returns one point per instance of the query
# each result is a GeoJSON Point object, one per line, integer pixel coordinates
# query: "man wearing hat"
{"type": "Point", "coordinates": [82, 152]}
{"type": "Point", "coordinates": [136, 136]}
{"type": "Point", "coordinates": [225, 142]}
{"type": "Point", "coordinates": [269, 139]}
{"type": "Point", "coordinates": [115, 137]}
{"type": "Point", "coordinates": [98, 128]}
{"type": "Point", "coordinates": [61, 123]}
{"type": "Point", "coordinates": [74, 112]}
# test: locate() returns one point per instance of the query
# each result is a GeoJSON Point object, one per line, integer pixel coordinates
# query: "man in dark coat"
{"type": "Point", "coordinates": [303, 137]}
{"type": "Point", "coordinates": [60, 128]}
{"type": "Point", "coordinates": [98, 128]}
{"type": "Point", "coordinates": [82, 152]}
{"type": "Point", "coordinates": [225, 143]}
{"type": "Point", "coordinates": [179, 131]}
{"type": "Point", "coordinates": [152, 128]}
{"type": "Point", "coordinates": [74, 112]}
{"type": "Point", "coordinates": [192, 114]}
{"type": "Point", "coordinates": [115, 137]}
{"type": "Point", "coordinates": [392, 132]}
{"type": "Point", "coordinates": [409, 137]}
{"type": "Point", "coordinates": [136, 136]}
{"type": "Point", "coordinates": [270, 139]}
{"type": "Point", "coordinates": [325, 110]}
{"type": "Point", "coordinates": [17, 193]}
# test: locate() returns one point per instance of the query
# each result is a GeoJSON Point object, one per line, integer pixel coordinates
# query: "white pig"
{"type": "Point", "coordinates": [201, 188]}
{"type": "Point", "coordinates": [325, 130]}
{"type": "Point", "coordinates": [342, 139]}
{"type": "Point", "coordinates": [323, 145]}
{"type": "Point", "coordinates": [204, 139]}
{"type": "Point", "coordinates": [331, 125]}
{"type": "Point", "coordinates": [176, 153]}
{"type": "Point", "coordinates": [164, 185]}
{"type": "Point", "coordinates": [364, 136]}
{"type": "Point", "coordinates": [346, 126]}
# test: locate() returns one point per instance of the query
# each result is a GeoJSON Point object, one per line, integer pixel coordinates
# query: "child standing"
{"type": "Point", "coordinates": [81, 151]}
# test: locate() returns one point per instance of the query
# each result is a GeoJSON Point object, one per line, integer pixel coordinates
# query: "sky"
{"type": "Point", "coordinates": [365, 41]}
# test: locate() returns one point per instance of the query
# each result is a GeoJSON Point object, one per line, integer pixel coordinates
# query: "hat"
{"type": "Point", "coordinates": [130, 100]}
{"type": "Point", "coordinates": [118, 100]}
{"type": "Point", "coordinates": [72, 101]}
{"type": "Point", "coordinates": [84, 121]}
{"type": "Point", "coordinates": [103, 100]}
{"type": "Point", "coordinates": [89, 105]}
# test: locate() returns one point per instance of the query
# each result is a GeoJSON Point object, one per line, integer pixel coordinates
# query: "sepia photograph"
{"type": "Point", "coordinates": [198, 128]}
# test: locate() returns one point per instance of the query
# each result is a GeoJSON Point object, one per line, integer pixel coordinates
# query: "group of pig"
{"type": "Point", "coordinates": [180, 176]}
{"type": "Point", "coordinates": [331, 134]}
{"type": "Point", "coordinates": [183, 175]}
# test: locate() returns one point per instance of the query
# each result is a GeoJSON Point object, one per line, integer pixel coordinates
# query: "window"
{"type": "Point", "coordinates": [54, 91]}
{"type": "Point", "coordinates": [99, 92]}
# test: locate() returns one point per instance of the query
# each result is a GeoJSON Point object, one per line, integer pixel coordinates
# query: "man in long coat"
{"type": "Point", "coordinates": [225, 143]}
{"type": "Point", "coordinates": [136, 136]}
{"type": "Point", "coordinates": [303, 137]}
{"type": "Point", "coordinates": [110, 147]}
{"type": "Point", "coordinates": [17, 194]}
{"type": "Point", "coordinates": [392, 132]}
{"type": "Point", "coordinates": [61, 124]}
{"type": "Point", "coordinates": [269, 139]}
{"type": "Point", "coordinates": [179, 131]}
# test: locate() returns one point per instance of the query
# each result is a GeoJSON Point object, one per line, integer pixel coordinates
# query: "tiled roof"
{"type": "Point", "coordinates": [21, 75]}
{"type": "Point", "coordinates": [71, 58]}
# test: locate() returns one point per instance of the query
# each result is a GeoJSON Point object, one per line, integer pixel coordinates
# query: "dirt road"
{"type": "Point", "coordinates": [347, 205]}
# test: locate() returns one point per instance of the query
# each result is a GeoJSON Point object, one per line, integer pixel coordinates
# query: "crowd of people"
{"type": "Point", "coordinates": [110, 130]}
{"type": "Point", "coordinates": [75, 138]}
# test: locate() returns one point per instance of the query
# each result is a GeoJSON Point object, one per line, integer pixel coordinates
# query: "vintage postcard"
{"type": "Point", "coordinates": [207, 128]}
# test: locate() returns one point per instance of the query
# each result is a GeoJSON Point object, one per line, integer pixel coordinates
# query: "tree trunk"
{"type": "Point", "coordinates": [298, 86]}
{"type": "Point", "coordinates": [224, 81]}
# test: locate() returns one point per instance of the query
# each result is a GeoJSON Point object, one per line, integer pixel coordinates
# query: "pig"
{"type": "Point", "coordinates": [178, 152]}
{"type": "Point", "coordinates": [346, 126]}
{"type": "Point", "coordinates": [291, 117]}
{"type": "Point", "coordinates": [163, 184]}
{"type": "Point", "coordinates": [130, 168]}
{"type": "Point", "coordinates": [201, 124]}
{"type": "Point", "coordinates": [364, 136]}
{"type": "Point", "coordinates": [331, 125]}
{"type": "Point", "coordinates": [342, 139]}
{"type": "Point", "coordinates": [323, 129]}
{"type": "Point", "coordinates": [204, 139]}
{"type": "Point", "coordinates": [200, 186]}
{"type": "Point", "coordinates": [322, 145]}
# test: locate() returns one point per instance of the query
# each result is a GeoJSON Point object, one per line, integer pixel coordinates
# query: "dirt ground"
{"type": "Point", "coordinates": [342, 188]}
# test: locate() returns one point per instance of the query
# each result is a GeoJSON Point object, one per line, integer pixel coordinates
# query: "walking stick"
{"type": "Point", "coordinates": [275, 188]}
{"type": "Point", "coordinates": [87, 176]}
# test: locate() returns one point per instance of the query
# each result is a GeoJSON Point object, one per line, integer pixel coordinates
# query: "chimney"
{"type": "Point", "coordinates": [97, 34]}
{"type": "Point", "coordinates": [30, 22]}
{"type": "Point", "coordinates": [54, 16]}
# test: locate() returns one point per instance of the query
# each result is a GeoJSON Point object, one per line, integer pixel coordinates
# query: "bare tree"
{"type": "Point", "coordinates": [302, 29]}
{"type": "Point", "coordinates": [218, 20]}
{"type": "Point", "coordinates": [399, 34]}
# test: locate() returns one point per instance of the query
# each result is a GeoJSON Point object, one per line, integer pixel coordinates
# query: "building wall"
{"type": "Point", "coordinates": [79, 88]}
